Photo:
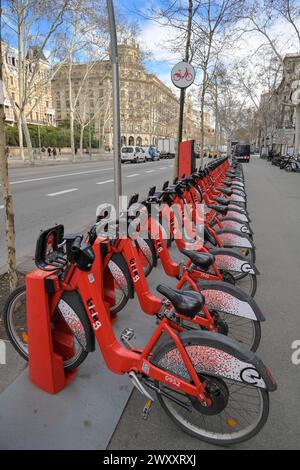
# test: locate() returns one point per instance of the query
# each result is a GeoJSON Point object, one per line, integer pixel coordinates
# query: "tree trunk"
{"type": "Point", "coordinates": [81, 141]}
{"type": "Point", "coordinates": [72, 136]}
{"type": "Point", "coordinates": [202, 120]}
{"type": "Point", "coordinates": [21, 145]}
{"type": "Point", "coordinates": [7, 198]}
{"type": "Point", "coordinates": [217, 122]}
{"type": "Point", "coordinates": [27, 138]}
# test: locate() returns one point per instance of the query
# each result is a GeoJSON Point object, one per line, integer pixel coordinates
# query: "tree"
{"type": "Point", "coordinates": [7, 197]}
{"type": "Point", "coordinates": [85, 114]}
{"type": "Point", "coordinates": [264, 21]}
{"type": "Point", "coordinates": [33, 25]}
{"type": "Point", "coordinates": [214, 30]}
{"type": "Point", "coordinates": [84, 43]}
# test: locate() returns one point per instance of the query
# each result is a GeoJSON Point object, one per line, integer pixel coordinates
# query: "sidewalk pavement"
{"type": "Point", "coordinates": [85, 414]}
{"type": "Point", "coordinates": [14, 162]}
{"type": "Point", "coordinates": [274, 207]}
{"type": "Point", "coordinates": [92, 413]}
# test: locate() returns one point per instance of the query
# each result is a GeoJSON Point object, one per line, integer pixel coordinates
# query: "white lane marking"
{"type": "Point", "coordinates": [163, 167]}
{"type": "Point", "coordinates": [104, 182]}
{"type": "Point", "coordinates": [59, 176]}
{"type": "Point", "coordinates": [63, 192]}
{"type": "Point", "coordinates": [150, 171]}
{"type": "Point", "coordinates": [1, 207]}
{"type": "Point", "coordinates": [131, 176]}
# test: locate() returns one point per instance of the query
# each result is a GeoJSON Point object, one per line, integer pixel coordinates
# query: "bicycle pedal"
{"type": "Point", "coordinates": [126, 337]}
{"type": "Point", "coordinates": [147, 409]}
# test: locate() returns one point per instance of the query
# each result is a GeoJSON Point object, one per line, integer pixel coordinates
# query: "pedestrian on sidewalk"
{"type": "Point", "coordinates": [59, 152]}
{"type": "Point", "coordinates": [49, 151]}
{"type": "Point", "coordinates": [54, 153]}
{"type": "Point", "coordinates": [7, 152]}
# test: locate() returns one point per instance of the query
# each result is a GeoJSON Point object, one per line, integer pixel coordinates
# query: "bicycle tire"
{"type": "Point", "coordinates": [68, 365]}
{"type": "Point", "coordinates": [165, 350]}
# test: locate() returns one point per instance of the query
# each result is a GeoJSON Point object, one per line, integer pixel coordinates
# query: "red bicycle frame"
{"type": "Point", "coordinates": [117, 358]}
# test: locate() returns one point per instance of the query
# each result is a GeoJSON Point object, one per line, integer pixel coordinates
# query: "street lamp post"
{"type": "Point", "coordinates": [116, 104]}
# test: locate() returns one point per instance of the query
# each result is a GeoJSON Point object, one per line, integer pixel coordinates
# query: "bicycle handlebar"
{"type": "Point", "coordinates": [76, 245]}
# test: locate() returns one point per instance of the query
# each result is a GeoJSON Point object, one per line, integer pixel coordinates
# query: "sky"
{"type": "Point", "coordinates": [153, 36]}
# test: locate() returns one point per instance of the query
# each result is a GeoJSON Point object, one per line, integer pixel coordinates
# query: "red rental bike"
{"type": "Point", "coordinates": [230, 265]}
{"type": "Point", "coordinates": [228, 310]}
{"type": "Point", "coordinates": [209, 385]}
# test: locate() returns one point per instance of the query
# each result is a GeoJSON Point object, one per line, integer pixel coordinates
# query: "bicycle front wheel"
{"type": "Point", "coordinates": [15, 322]}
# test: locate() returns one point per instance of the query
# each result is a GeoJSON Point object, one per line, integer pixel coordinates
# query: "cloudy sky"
{"type": "Point", "coordinates": [153, 38]}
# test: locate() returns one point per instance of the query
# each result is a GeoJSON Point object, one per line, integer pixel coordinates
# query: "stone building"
{"type": "Point", "coordinates": [280, 110]}
{"type": "Point", "coordinates": [149, 109]}
{"type": "Point", "coordinates": [39, 109]}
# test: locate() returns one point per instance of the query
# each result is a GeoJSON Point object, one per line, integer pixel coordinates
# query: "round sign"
{"type": "Point", "coordinates": [183, 75]}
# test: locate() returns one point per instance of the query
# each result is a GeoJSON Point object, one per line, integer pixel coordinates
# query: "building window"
{"type": "Point", "coordinates": [47, 104]}
{"type": "Point", "coordinates": [12, 80]}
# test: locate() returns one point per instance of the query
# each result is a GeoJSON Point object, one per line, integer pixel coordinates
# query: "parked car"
{"type": "Point", "coordinates": [132, 154]}
{"type": "Point", "coordinates": [151, 153]}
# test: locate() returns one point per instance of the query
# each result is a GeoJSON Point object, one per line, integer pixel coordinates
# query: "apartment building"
{"type": "Point", "coordinates": [149, 109]}
{"type": "Point", "coordinates": [38, 109]}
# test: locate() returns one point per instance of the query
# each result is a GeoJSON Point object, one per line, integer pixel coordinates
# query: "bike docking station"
{"type": "Point", "coordinates": [48, 345]}
{"type": "Point", "coordinates": [187, 158]}
{"type": "Point", "coordinates": [51, 343]}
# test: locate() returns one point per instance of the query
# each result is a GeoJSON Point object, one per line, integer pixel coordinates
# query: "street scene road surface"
{"type": "Point", "coordinates": [70, 194]}
{"type": "Point", "coordinates": [110, 343]}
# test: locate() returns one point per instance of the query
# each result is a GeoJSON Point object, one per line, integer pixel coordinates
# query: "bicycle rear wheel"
{"type": "Point", "coordinates": [238, 410]}
{"type": "Point", "coordinates": [15, 322]}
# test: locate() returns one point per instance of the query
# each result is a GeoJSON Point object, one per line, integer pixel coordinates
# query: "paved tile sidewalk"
{"type": "Point", "coordinates": [274, 206]}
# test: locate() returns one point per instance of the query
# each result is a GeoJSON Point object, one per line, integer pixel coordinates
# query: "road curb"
{"type": "Point", "coordinates": [38, 164]}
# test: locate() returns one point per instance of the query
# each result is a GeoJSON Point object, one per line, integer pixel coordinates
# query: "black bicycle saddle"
{"type": "Point", "coordinates": [187, 303]}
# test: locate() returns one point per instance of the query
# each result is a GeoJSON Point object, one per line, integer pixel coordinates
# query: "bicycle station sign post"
{"type": "Point", "coordinates": [183, 75]}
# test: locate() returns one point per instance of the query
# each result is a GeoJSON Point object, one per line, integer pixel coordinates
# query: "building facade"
{"type": "Point", "coordinates": [279, 111]}
{"type": "Point", "coordinates": [38, 108]}
{"type": "Point", "coordinates": [149, 109]}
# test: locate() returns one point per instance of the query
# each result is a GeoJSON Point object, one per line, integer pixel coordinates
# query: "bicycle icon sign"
{"type": "Point", "coordinates": [183, 75]}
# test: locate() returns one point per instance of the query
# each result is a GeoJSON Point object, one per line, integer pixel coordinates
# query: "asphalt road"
{"type": "Point", "coordinates": [274, 206]}
{"type": "Point", "coordinates": [70, 194]}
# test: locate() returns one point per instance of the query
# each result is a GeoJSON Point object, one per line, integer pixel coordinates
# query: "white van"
{"type": "Point", "coordinates": [132, 154]}
{"type": "Point", "coordinates": [151, 156]}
